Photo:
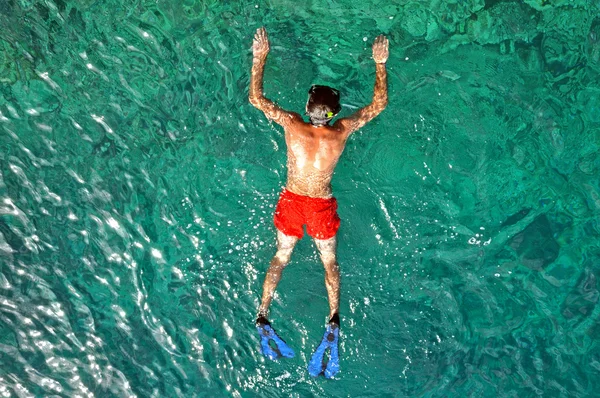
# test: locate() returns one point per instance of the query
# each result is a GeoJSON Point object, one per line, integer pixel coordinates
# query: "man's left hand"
{"type": "Point", "coordinates": [260, 46]}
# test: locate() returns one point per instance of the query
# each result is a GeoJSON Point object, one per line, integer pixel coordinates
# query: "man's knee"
{"type": "Point", "coordinates": [330, 262]}
{"type": "Point", "coordinates": [283, 256]}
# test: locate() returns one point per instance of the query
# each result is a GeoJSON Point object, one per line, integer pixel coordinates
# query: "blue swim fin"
{"type": "Point", "coordinates": [330, 340]}
{"type": "Point", "coordinates": [333, 366]}
{"type": "Point", "coordinates": [267, 334]}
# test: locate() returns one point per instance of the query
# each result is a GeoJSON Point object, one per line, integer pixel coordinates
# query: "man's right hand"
{"type": "Point", "coordinates": [260, 45]}
{"type": "Point", "coordinates": [380, 49]}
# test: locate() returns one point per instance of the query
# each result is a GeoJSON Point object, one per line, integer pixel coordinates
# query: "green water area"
{"type": "Point", "coordinates": [138, 185]}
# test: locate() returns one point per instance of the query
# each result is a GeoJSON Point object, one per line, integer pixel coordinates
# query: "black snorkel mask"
{"type": "Point", "coordinates": [323, 104]}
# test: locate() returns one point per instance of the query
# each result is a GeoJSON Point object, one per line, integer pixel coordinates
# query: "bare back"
{"type": "Point", "coordinates": [313, 153]}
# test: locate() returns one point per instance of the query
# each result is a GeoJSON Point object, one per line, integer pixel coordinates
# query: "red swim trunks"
{"type": "Point", "coordinates": [319, 215]}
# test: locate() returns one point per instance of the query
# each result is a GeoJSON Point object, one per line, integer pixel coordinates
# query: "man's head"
{"type": "Point", "coordinates": [323, 104]}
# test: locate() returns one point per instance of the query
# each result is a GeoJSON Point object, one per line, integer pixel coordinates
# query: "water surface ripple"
{"type": "Point", "coordinates": [137, 186]}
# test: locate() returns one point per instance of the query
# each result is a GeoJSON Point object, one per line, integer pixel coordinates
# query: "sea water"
{"type": "Point", "coordinates": [137, 187]}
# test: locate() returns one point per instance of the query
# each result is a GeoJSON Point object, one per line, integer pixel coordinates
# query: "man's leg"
{"type": "Point", "coordinates": [285, 246]}
{"type": "Point", "coordinates": [327, 251]}
{"type": "Point", "coordinates": [329, 342]}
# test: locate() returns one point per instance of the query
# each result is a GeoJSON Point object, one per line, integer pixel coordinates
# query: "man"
{"type": "Point", "coordinates": [313, 150]}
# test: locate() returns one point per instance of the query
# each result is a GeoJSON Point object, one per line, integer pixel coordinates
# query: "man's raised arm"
{"type": "Point", "coordinates": [260, 50]}
{"type": "Point", "coordinates": [380, 95]}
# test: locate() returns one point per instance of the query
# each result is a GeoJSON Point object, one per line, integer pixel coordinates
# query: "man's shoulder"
{"type": "Point", "coordinates": [290, 119]}
{"type": "Point", "coordinates": [296, 117]}
{"type": "Point", "coordinates": [307, 130]}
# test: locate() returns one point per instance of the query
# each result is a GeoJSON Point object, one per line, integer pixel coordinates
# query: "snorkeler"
{"type": "Point", "coordinates": [313, 150]}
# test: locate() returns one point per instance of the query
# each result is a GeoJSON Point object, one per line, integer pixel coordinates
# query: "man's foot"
{"type": "Point", "coordinates": [266, 333]}
{"type": "Point", "coordinates": [316, 365]}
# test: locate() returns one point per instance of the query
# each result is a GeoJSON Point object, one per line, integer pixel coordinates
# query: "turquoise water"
{"type": "Point", "coordinates": [137, 188]}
